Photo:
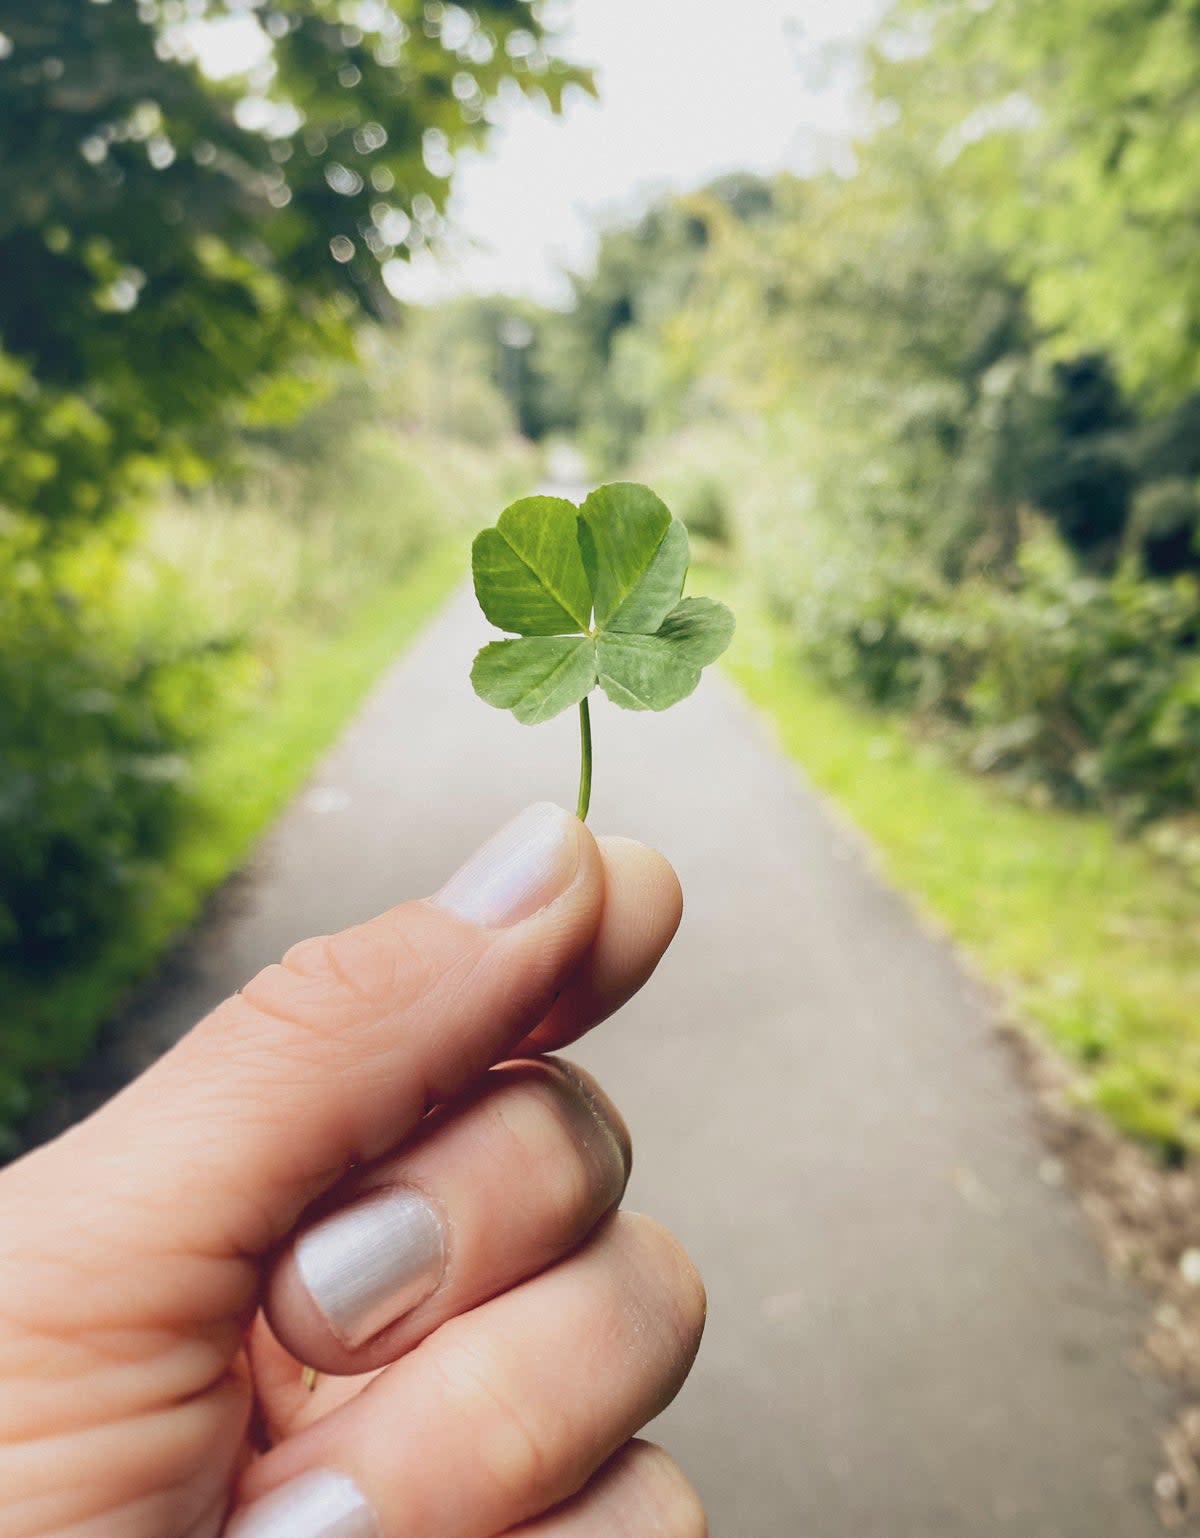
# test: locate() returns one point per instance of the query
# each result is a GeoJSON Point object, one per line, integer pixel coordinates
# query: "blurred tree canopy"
{"type": "Point", "coordinates": [176, 247]}
{"type": "Point", "coordinates": [1070, 131]}
{"type": "Point", "coordinates": [601, 362]}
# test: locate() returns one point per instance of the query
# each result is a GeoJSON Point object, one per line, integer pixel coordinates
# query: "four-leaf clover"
{"type": "Point", "coordinates": [593, 595]}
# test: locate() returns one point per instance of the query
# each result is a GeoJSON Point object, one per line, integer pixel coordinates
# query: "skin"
{"type": "Point", "coordinates": [152, 1320]}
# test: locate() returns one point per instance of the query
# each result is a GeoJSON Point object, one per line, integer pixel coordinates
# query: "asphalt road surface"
{"type": "Point", "coordinates": [911, 1334]}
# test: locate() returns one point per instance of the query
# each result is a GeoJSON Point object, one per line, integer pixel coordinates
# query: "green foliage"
{"type": "Point", "coordinates": [172, 245]}
{"type": "Point", "coordinates": [535, 678]}
{"type": "Point", "coordinates": [1068, 131]}
{"type": "Point", "coordinates": [1087, 688]}
{"type": "Point", "coordinates": [594, 593]}
{"type": "Point", "coordinates": [95, 739]}
{"type": "Point", "coordinates": [1075, 688]}
{"type": "Point", "coordinates": [508, 347]}
{"type": "Point", "coordinates": [1164, 525]}
{"type": "Point", "coordinates": [603, 365]}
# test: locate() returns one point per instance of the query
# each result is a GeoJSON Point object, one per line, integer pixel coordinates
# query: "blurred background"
{"type": "Point", "coordinates": [897, 305]}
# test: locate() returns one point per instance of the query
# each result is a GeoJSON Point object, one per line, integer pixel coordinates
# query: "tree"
{"type": "Point", "coordinates": [603, 360]}
{"type": "Point", "coordinates": [174, 247]}
{"type": "Point", "coordinates": [1071, 132]}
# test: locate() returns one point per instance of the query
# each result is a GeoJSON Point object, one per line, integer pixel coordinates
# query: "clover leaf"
{"type": "Point", "coordinates": [593, 595]}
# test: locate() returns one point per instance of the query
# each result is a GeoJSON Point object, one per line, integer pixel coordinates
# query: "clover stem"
{"type": "Point", "coordinates": [585, 760]}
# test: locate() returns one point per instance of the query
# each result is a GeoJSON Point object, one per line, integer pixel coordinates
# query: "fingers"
{"type": "Point", "coordinates": [504, 1412]}
{"type": "Point", "coordinates": [638, 1493]}
{"type": "Point", "coordinates": [491, 1191]}
{"type": "Point", "coordinates": [334, 1056]}
{"type": "Point", "coordinates": [642, 909]}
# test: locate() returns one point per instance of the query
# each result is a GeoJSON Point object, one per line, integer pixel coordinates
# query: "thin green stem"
{"type": "Point", "coordinates": [585, 760]}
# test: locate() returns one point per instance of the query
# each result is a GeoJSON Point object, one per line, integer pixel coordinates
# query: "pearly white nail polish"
{"type": "Point", "coordinates": [371, 1263]}
{"type": "Point", "coordinates": [519, 870]}
{"type": "Point", "coordinates": [320, 1504]}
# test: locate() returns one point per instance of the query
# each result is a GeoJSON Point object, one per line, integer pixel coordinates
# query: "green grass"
{"type": "Point", "coordinates": [1095, 939]}
{"type": "Point", "coordinates": [243, 778]}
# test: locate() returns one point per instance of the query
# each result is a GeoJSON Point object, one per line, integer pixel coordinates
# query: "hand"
{"type": "Point", "coordinates": [277, 1191]}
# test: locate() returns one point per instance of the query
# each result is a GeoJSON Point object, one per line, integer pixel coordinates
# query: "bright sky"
{"type": "Point", "coordinates": [688, 89]}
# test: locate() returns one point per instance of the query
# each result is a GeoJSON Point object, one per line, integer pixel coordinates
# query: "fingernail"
{"type": "Point", "coordinates": [519, 870]}
{"type": "Point", "coordinates": [370, 1264]}
{"type": "Point", "coordinates": [320, 1504]}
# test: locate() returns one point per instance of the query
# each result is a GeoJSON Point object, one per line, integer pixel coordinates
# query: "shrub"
{"type": "Point", "coordinates": [1166, 526]}
{"type": "Point", "coordinates": [95, 736]}
{"type": "Point", "coordinates": [1089, 688]}
{"type": "Point", "coordinates": [1080, 689]}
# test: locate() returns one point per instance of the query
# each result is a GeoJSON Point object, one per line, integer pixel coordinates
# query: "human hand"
{"type": "Point", "coordinates": [277, 1191]}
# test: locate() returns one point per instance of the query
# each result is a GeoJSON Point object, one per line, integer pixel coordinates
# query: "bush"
{"type": "Point", "coordinates": [1079, 689]}
{"type": "Point", "coordinates": [286, 543]}
{"type": "Point", "coordinates": [1166, 526]}
{"type": "Point", "coordinates": [95, 736]}
{"type": "Point", "coordinates": [1089, 688]}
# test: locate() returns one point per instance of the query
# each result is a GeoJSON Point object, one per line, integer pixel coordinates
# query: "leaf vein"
{"type": "Point", "coordinates": [543, 684]}
{"type": "Point", "coordinates": [562, 602]}
{"type": "Point", "coordinates": [638, 576]}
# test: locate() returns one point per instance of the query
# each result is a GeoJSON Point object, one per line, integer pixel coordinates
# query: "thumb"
{"type": "Point", "coordinates": [333, 1055]}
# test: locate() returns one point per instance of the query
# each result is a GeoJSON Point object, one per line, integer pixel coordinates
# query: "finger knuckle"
{"type": "Point", "coordinates": [296, 1008]}
{"type": "Point", "coordinates": [510, 1445]}
{"type": "Point", "coordinates": [331, 986]}
{"type": "Point", "coordinates": [369, 965]}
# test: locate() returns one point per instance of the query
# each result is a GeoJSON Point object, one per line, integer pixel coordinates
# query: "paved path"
{"type": "Point", "coordinates": [911, 1334]}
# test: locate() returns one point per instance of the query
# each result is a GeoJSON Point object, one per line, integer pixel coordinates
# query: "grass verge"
{"type": "Point", "coordinates": [243, 778]}
{"type": "Point", "coordinates": [1095, 939]}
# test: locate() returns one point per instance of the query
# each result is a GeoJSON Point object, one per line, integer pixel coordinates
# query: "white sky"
{"type": "Point", "coordinates": [688, 89]}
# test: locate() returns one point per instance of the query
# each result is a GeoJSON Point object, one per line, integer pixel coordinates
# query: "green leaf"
{"type": "Point", "coordinates": [529, 572]}
{"type": "Point", "coordinates": [536, 677]}
{"type": "Point", "coordinates": [593, 594]}
{"type": "Point", "coordinates": [654, 672]}
{"type": "Point", "coordinates": [637, 557]}
{"type": "Point", "coordinates": [698, 629]}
